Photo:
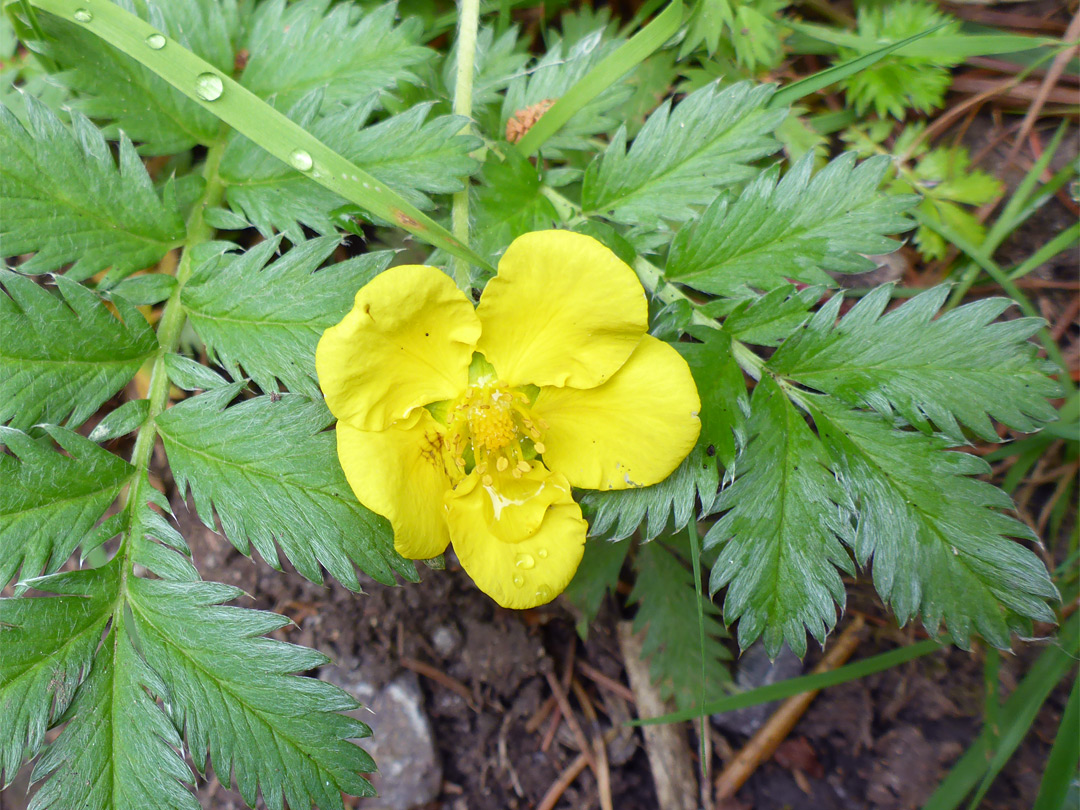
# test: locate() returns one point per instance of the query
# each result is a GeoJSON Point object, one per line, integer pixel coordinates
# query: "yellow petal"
{"type": "Point", "coordinates": [407, 342]}
{"type": "Point", "coordinates": [633, 430]}
{"type": "Point", "coordinates": [563, 310]}
{"type": "Point", "coordinates": [527, 573]}
{"type": "Point", "coordinates": [512, 508]}
{"type": "Point", "coordinates": [397, 473]}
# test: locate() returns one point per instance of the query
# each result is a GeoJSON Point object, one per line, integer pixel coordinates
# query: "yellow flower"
{"type": "Point", "coordinates": [470, 425]}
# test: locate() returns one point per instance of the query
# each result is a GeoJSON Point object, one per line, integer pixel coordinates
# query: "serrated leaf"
{"type": "Point", "coordinates": [125, 419]}
{"type": "Point", "coordinates": [144, 290]}
{"type": "Point", "coordinates": [722, 389]}
{"type": "Point", "coordinates": [939, 539]}
{"type": "Point", "coordinates": [183, 372]}
{"type": "Point", "coordinates": [65, 200]}
{"type": "Point", "coordinates": [510, 202]}
{"type": "Point", "coordinates": [50, 500]}
{"type": "Point", "coordinates": [109, 85]}
{"type": "Point", "coordinates": [48, 645]}
{"type": "Point", "coordinates": [270, 472]}
{"type": "Point", "coordinates": [667, 603]}
{"type": "Point", "coordinates": [118, 749]}
{"type": "Point", "coordinates": [62, 357]}
{"type": "Point", "coordinates": [237, 307]}
{"type": "Point", "coordinates": [794, 229]}
{"type": "Point", "coordinates": [233, 693]}
{"type": "Point", "coordinates": [412, 155]}
{"type": "Point", "coordinates": [778, 542]}
{"type": "Point", "coordinates": [616, 514]}
{"type": "Point", "coordinates": [682, 157]}
{"type": "Point", "coordinates": [289, 56]}
{"type": "Point", "coordinates": [928, 371]}
{"type": "Point", "coordinates": [769, 319]}
{"type": "Point", "coordinates": [552, 75]}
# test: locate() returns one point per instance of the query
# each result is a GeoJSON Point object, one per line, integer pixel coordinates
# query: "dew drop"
{"type": "Point", "coordinates": [301, 160]}
{"type": "Point", "coordinates": [542, 553]}
{"type": "Point", "coordinates": [524, 561]}
{"type": "Point", "coordinates": [519, 580]}
{"type": "Point", "coordinates": [208, 86]}
{"type": "Point", "coordinates": [543, 592]}
{"type": "Point", "coordinates": [156, 41]}
{"type": "Point", "coordinates": [83, 15]}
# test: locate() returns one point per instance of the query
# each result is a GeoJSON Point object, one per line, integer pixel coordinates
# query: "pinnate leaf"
{"type": "Point", "coordinates": [411, 154]}
{"type": "Point", "coordinates": [236, 305]}
{"type": "Point", "coordinates": [289, 56]}
{"type": "Point", "coordinates": [113, 87]}
{"type": "Point", "coordinates": [617, 514]}
{"type": "Point", "coordinates": [792, 229]}
{"type": "Point", "coordinates": [50, 500]}
{"type": "Point", "coordinates": [779, 539]}
{"type": "Point", "coordinates": [270, 472]}
{"type": "Point", "coordinates": [940, 540]}
{"type": "Point", "coordinates": [667, 604]}
{"type": "Point", "coordinates": [48, 644]}
{"type": "Point", "coordinates": [683, 156]}
{"type": "Point", "coordinates": [65, 200]}
{"type": "Point", "coordinates": [63, 355]}
{"type": "Point", "coordinates": [233, 693]}
{"type": "Point", "coordinates": [925, 369]}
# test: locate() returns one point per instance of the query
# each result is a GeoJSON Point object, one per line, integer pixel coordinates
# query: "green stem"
{"type": "Point", "coordinates": [463, 87]}
{"type": "Point", "coordinates": [168, 334]}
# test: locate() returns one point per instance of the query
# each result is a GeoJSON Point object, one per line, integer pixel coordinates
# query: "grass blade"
{"type": "Point", "coordinates": [786, 96]}
{"type": "Point", "coordinates": [593, 83]}
{"type": "Point", "coordinates": [1061, 766]}
{"type": "Point", "coordinates": [796, 686]}
{"type": "Point", "coordinates": [982, 761]}
{"type": "Point", "coordinates": [254, 118]}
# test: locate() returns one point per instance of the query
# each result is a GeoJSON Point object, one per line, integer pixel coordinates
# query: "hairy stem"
{"type": "Point", "coordinates": [168, 334]}
{"type": "Point", "coordinates": [463, 87]}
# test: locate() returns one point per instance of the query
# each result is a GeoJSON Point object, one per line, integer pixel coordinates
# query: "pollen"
{"type": "Point", "coordinates": [491, 426]}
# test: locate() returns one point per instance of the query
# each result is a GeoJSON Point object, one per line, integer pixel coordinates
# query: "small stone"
{"type": "Point", "coordinates": [445, 640]}
{"type": "Point", "coordinates": [403, 746]}
{"type": "Point", "coordinates": [755, 670]}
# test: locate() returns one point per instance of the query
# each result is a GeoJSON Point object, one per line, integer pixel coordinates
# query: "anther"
{"type": "Point", "coordinates": [487, 480]}
{"type": "Point", "coordinates": [523, 466]}
{"type": "Point", "coordinates": [539, 446]}
{"type": "Point", "coordinates": [502, 464]}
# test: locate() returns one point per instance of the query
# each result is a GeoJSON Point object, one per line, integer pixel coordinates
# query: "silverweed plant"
{"type": "Point", "coordinates": [616, 319]}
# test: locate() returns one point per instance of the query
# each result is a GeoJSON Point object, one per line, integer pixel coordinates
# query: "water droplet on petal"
{"type": "Point", "coordinates": [542, 553]}
{"type": "Point", "coordinates": [524, 561]}
{"type": "Point", "coordinates": [301, 160]}
{"type": "Point", "coordinates": [83, 15]}
{"type": "Point", "coordinates": [519, 580]}
{"type": "Point", "coordinates": [156, 41]}
{"type": "Point", "coordinates": [209, 87]}
{"type": "Point", "coordinates": [543, 593]}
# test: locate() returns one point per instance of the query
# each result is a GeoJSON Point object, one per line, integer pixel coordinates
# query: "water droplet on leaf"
{"type": "Point", "coordinates": [525, 561]}
{"type": "Point", "coordinates": [83, 15]}
{"type": "Point", "coordinates": [156, 41]}
{"type": "Point", "coordinates": [301, 160]}
{"type": "Point", "coordinates": [542, 553]}
{"type": "Point", "coordinates": [543, 592]}
{"type": "Point", "coordinates": [208, 86]}
{"type": "Point", "coordinates": [519, 580]}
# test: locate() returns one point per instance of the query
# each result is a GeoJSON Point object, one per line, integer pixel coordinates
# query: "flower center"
{"type": "Point", "coordinates": [491, 430]}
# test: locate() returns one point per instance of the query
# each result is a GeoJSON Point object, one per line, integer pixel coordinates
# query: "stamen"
{"type": "Point", "coordinates": [539, 447]}
{"type": "Point", "coordinates": [523, 466]}
{"type": "Point", "coordinates": [487, 480]}
{"type": "Point", "coordinates": [502, 464]}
